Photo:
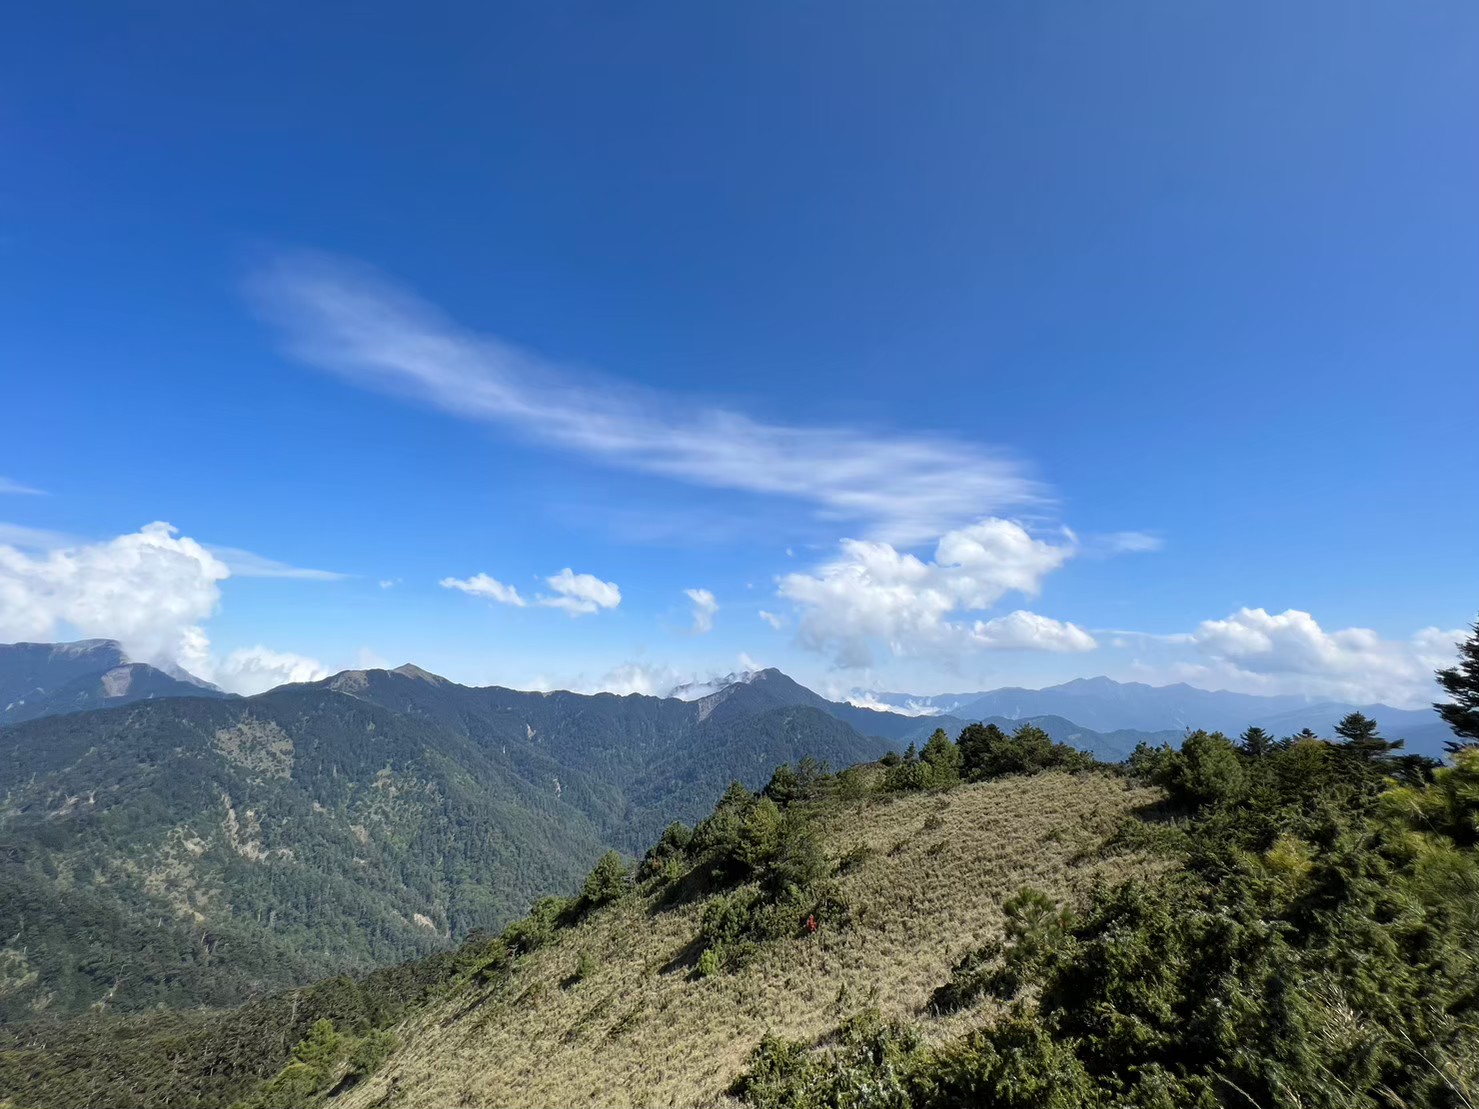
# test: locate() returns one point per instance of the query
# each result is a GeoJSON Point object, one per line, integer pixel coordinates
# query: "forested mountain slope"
{"type": "Point", "coordinates": [1213, 926]}
{"type": "Point", "coordinates": [193, 851]}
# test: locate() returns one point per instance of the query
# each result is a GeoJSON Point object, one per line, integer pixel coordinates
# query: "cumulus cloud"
{"type": "Point", "coordinates": [704, 607]}
{"type": "Point", "coordinates": [15, 487]}
{"type": "Point", "coordinates": [1028, 631]}
{"type": "Point", "coordinates": [576, 594]}
{"type": "Point", "coordinates": [481, 585]}
{"type": "Point", "coordinates": [581, 594]}
{"type": "Point", "coordinates": [151, 590]}
{"type": "Point", "coordinates": [251, 670]}
{"type": "Point", "coordinates": [873, 593]}
{"type": "Point", "coordinates": [901, 488]}
{"type": "Point", "coordinates": [776, 622]}
{"type": "Point", "coordinates": [1289, 652]}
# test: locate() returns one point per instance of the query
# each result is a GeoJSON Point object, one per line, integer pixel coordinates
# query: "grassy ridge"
{"type": "Point", "coordinates": [925, 879]}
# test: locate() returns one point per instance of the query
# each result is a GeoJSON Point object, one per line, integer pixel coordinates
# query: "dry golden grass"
{"type": "Point", "coordinates": [639, 1031]}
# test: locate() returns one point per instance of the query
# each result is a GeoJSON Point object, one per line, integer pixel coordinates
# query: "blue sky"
{"type": "Point", "coordinates": [775, 301]}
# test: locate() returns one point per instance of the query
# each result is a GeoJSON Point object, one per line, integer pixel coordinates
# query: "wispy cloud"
{"type": "Point", "coordinates": [9, 486]}
{"type": "Point", "coordinates": [898, 487]}
{"type": "Point", "coordinates": [1125, 542]}
{"type": "Point", "coordinates": [704, 608]}
{"type": "Point", "coordinates": [35, 539]}
{"type": "Point", "coordinates": [247, 564]}
{"type": "Point", "coordinates": [575, 594]}
{"type": "Point", "coordinates": [481, 585]}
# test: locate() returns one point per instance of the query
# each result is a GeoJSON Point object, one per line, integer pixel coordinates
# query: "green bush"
{"type": "Point", "coordinates": [607, 882]}
{"type": "Point", "coordinates": [1206, 771]}
{"type": "Point", "coordinates": [941, 761]}
{"type": "Point", "coordinates": [988, 752]}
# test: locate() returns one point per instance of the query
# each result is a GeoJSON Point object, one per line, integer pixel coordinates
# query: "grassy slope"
{"type": "Point", "coordinates": [641, 1030]}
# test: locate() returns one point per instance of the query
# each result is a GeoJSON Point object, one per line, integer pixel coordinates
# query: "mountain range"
{"type": "Point", "coordinates": [188, 847]}
{"type": "Point", "coordinates": [45, 679]}
{"type": "Point", "coordinates": [1104, 705]}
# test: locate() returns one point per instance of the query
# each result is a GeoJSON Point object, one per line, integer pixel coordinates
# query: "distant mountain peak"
{"type": "Point", "coordinates": [411, 670]}
{"type": "Point", "coordinates": [696, 690]}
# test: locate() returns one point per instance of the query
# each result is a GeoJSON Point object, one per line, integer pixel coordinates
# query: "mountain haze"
{"type": "Point", "coordinates": [44, 679]}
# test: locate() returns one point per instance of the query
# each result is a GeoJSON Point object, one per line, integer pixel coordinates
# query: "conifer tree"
{"type": "Point", "coordinates": [1363, 737]}
{"type": "Point", "coordinates": [1461, 682]}
{"type": "Point", "coordinates": [1256, 742]}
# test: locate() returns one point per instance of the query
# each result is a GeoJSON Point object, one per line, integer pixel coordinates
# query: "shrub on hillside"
{"type": "Point", "coordinates": [1206, 771]}
{"type": "Point", "coordinates": [988, 752]}
{"type": "Point", "coordinates": [609, 880]}
{"type": "Point", "coordinates": [1313, 947]}
{"type": "Point", "coordinates": [808, 780]}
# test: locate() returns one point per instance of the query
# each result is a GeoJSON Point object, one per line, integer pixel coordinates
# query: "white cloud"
{"type": "Point", "coordinates": [874, 593]}
{"type": "Point", "coordinates": [1289, 652]}
{"type": "Point", "coordinates": [866, 700]}
{"type": "Point", "coordinates": [576, 594]}
{"type": "Point", "coordinates": [704, 608]}
{"type": "Point", "coordinates": [776, 622]}
{"type": "Point", "coordinates": [251, 670]}
{"type": "Point", "coordinates": [15, 487]}
{"type": "Point", "coordinates": [481, 585]}
{"type": "Point", "coordinates": [636, 677]}
{"type": "Point", "coordinates": [581, 594]}
{"type": "Point", "coordinates": [1028, 631]}
{"type": "Point", "coordinates": [389, 583]}
{"type": "Point", "coordinates": [151, 590]}
{"type": "Point", "coordinates": [901, 488]}
{"type": "Point", "coordinates": [246, 564]}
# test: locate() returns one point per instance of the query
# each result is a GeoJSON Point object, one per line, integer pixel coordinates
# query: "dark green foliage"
{"type": "Point", "coordinates": [1205, 771]}
{"type": "Point", "coordinates": [610, 879]}
{"type": "Point", "coordinates": [941, 759]}
{"type": "Point", "coordinates": [669, 851]}
{"type": "Point", "coordinates": [978, 744]}
{"type": "Point", "coordinates": [1461, 682]}
{"type": "Point", "coordinates": [1365, 747]}
{"type": "Point", "coordinates": [1314, 947]}
{"type": "Point", "coordinates": [203, 852]}
{"type": "Point", "coordinates": [781, 873]}
{"type": "Point", "coordinates": [307, 829]}
{"type": "Point", "coordinates": [937, 766]}
{"type": "Point", "coordinates": [808, 780]}
{"type": "Point", "coordinates": [538, 928]}
{"type": "Point", "coordinates": [1036, 928]}
{"type": "Point", "coordinates": [988, 752]}
{"type": "Point", "coordinates": [204, 1059]}
{"type": "Point", "coordinates": [869, 1065]}
{"type": "Point", "coordinates": [1255, 742]}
